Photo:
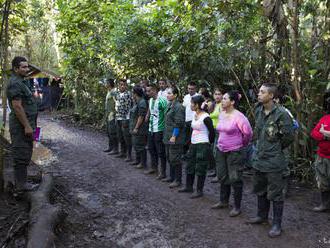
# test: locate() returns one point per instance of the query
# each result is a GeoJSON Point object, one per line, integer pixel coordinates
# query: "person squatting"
{"type": "Point", "coordinates": [209, 132]}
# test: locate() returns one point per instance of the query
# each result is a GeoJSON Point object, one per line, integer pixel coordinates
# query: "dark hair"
{"type": "Point", "coordinates": [122, 80]}
{"type": "Point", "coordinates": [272, 88]}
{"type": "Point", "coordinates": [192, 83]}
{"type": "Point", "coordinates": [164, 80]}
{"type": "Point", "coordinates": [326, 102]}
{"type": "Point", "coordinates": [137, 89]}
{"type": "Point", "coordinates": [145, 81]}
{"type": "Point", "coordinates": [111, 82]}
{"type": "Point", "coordinates": [234, 95]}
{"type": "Point", "coordinates": [217, 89]}
{"type": "Point", "coordinates": [199, 99]}
{"type": "Point", "coordinates": [153, 86]}
{"type": "Point", "coordinates": [15, 63]}
{"type": "Point", "coordinates": [206, 93]}
{"type": "Point", "coordinates": [175, 90]}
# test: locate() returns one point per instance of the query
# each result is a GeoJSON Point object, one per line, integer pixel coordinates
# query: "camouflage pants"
{"type": "Point", "coordinates": [112, 134]}
{"type": "Point", "coordinates": [22, 147]}
{"type": "Point", "coordinates": [124, 136]}
{"type": "Point", "coordinates": [272, 184]}
{"type": "Point", "coordinates": [322, 173]}
{"type": "Point", "coordinates": [230, 166]}
{"type": "Point", "coordinates": [212, 164]}
{"type": "Point", "coordinates": [174, 154]}
{"type": "Point", "coordinates": [139, 142]}
{"type": "Point", "coordinates": [198, 159]}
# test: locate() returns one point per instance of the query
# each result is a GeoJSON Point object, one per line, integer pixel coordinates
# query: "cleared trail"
{"type": "Point", "coordinates": [112, 204]}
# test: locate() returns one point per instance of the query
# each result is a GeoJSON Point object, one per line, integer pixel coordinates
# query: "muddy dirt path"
{"type": "Point", "coordinates": [112, 204]}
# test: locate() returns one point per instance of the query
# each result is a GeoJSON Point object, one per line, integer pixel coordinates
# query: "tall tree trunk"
{"type": "Point", "coordinates": [295, 52]}
{"type": "Point", "coordinates": [295, 72]}
{"type": "Point", "coordinates": [327, 44]}
{"type": "Point", "coordinates": [4, 41]}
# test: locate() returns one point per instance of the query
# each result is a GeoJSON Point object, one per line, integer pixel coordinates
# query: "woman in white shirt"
{"type": "Point", "coordinates": [201, 139]}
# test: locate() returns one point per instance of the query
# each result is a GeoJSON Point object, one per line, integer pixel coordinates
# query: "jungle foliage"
{"type": "Point", "coordinates": [221, 43]}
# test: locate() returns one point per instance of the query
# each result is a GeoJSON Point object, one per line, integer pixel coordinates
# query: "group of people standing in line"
{"type": "Point", "coordinates": [203, 131]}
{"type": "Point", "coordinates": [208, 131]}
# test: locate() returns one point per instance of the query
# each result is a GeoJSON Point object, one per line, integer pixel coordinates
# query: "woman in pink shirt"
{"type": "Point", "coordinates": [235, 133]}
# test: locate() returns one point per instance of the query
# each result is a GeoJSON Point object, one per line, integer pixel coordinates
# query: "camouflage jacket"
{"type": "Point", "coordinates": [174, 118]}
{"type": "Point", "coordinates": [273, 133]}
{"type": "Point", "coordinates": [19, 89]}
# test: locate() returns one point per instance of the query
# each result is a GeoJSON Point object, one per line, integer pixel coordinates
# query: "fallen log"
{"type": "Point", "coordinates": [43, 216]}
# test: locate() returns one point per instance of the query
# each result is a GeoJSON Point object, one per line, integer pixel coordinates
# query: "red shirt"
{"type": "Point", "coordinates": [323, 145]}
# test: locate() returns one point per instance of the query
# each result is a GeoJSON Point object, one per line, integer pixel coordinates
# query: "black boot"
{"type": "Point", "coordinates": [178, 176]}
{"type": "Point", "coordinates": [143, 157]}
{"type": "Point", "coordinates": [137, 159]}
{"type": "Point", "coordinates": [263, 210]}
{"type": "Point", "coordinates": [224, 197]}
{"type": "Point", "coordinates": [162, 173]}
{"type": "Point", "coordinates": [238, 191]}
{"type": "Point", "coordinates": [200, 187]}
{"type": "Point", "coordinates": [325, 202]}
{"type": "Point", "coordinates": [276, 230]}
{"type": "Point", "coordinates": [189, 184]}
{"type": "Point", "coordinates": [123, 150]}
{"type": "Point", "coordinates": [129, 155]}
{"type": "Point", "coordinates": [114, 151]}
{"type": "Point", "coordinates": [172, 173]}
{"type": "Point", "coordinates": [110, 147]}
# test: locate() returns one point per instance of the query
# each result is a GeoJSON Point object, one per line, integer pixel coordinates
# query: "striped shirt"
{"type": "Point", "coordinates": [157, 110]}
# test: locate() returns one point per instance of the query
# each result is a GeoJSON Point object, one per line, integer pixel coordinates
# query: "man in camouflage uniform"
{"type": "Point", "coordinates": [22, 121]}
{"type": "Point", "coordinates": [138, 126]}
{"type": "Point", "coordinates": [110, 117]}
{"type": "Point", "coordinates": [274, 133]}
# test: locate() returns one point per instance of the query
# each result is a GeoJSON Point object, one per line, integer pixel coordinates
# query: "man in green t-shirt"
{"type": "Point", "coordinates": [22, 121]}
{"type": "Point", "coordinates": [157, 108]}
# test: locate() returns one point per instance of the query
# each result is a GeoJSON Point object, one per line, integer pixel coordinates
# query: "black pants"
{"type": "Point", "coordinates": [188, 137]}
{"type": "Point", "coordinates": [124, 136]}
{"type": "Point", "coordinates": [156, 149]}
{"type": "Point", "coordinates": [112, 134]}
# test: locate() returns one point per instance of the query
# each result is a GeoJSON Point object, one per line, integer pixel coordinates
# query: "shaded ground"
{"type": "Point", "coordinates": [112, 204]}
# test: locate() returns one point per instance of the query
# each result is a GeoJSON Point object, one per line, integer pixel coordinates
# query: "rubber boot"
{"type": "Point", "coordinates": [129, 155]}
{"type": "Point", "coordinates": [200, 187]}
{"type": "Point", "coordinates": [263, 210]}
{"type": "Point", "coordinates": [238, 191]}
{"type": "Point", "coordinates": [178, 177]}
{"type": "Point", "coordinates": [224, 197]}
{"type": "Point", "coordinates": [189, 184]}
{"type": "Point", "coordinates": [162, 173]}
{"type": "Point", "coordinates": [114, 151]}
{"type": "Point", "coordinates": [123, 150]}
{"type": "Point", "coordinates": [325, 202]}
{"type": "Point", "coordinates": [110, 147]}
{"type": "Point", "coordinates": [143, 157]}
{"type": "Point", "coordinates": [137, 159]}
{"type": "Point", "coordinates": [276, 230]}
{"type": "Point", "coordinates": [172, 175]}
